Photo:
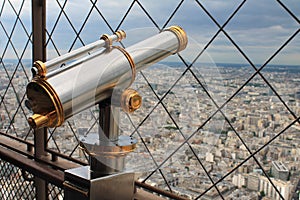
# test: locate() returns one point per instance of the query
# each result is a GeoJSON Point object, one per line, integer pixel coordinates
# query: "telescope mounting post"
{"type": "Point", "coordinates": [105, 174]}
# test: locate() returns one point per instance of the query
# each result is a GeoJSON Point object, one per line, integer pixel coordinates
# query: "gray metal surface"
{"type": "Point", "coordinates": [80, 184]}
{"type": "Point", "coordinates": [119, 186]}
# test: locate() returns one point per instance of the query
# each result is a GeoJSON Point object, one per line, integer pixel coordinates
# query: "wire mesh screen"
{"type": "Point", "coordinates": [15, 60]}
{"type": "Point", "coordinates": [219, 120]}
{"type": "Point", "coordinates": [15, 50]}
{"type": "Point", "coordinates": [55, 192]}
{"type": "Point", "coordinates": [16, 183]}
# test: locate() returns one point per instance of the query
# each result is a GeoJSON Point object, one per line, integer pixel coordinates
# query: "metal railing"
{"type": "Point", "coordinates": [52, 30]}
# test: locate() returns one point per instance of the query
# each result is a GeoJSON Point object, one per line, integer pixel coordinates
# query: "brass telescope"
{"type": "Point", "coordinates": [56, 94]}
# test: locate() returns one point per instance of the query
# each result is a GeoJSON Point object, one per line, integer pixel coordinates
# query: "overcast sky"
{"type": "Point", "coordinates": [259, 27]}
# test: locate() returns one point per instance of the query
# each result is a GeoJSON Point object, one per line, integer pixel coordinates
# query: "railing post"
{"type": "Point", "coordinates": [39, 53]}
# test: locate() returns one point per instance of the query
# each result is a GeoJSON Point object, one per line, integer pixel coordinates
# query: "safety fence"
{"type": "Point", "coordinates": [207, 128]}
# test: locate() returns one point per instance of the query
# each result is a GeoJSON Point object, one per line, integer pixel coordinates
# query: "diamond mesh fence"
{"type": "Point", "coordinates": [16, 183]}
{"type": "Point", "coordinates": [15, 59]}
{"type": "Point", "coordinates": [217, 119]}
{"type": "Point", "coordinates": [55, 192]}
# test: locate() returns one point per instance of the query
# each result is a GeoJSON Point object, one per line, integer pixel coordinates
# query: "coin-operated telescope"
{"type": "Point", "coordinates": [71, 83]}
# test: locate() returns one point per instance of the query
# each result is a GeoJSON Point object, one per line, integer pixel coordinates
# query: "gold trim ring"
{"type": "Point", "coordinates": [107, 39]}
{"type": "Point", "coordinates": [131, 62]}
{"type": "Point", "coordinates": [181, 36]}
{"type": "Point", "coordinates": [41, 68]}
{"type": "Point", "coordinates": [55, 118]}
{"type": "Point", "coordinates": [121, 35]}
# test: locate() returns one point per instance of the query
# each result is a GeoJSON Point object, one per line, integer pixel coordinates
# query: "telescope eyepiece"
{"type": "Point", "coordinates": [131, 100]}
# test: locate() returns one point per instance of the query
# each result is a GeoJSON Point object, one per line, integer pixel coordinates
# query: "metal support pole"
{"type": "Point", "coordinates": [105, 178]}
{"type": "Point", "coordinates": [39, 30]}
{"type": "Point", "coordinates": [108, 123]}
{"type": "Point", "coordinates": [108, 135]}
{"type": "Point", "coordinates": [39, 53]}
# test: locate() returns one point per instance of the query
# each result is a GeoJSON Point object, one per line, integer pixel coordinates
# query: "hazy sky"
{"type": "Point", "coordinates": [260, 27]}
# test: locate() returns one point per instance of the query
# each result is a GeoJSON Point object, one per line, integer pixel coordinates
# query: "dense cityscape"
{"type": "Point", "coordinates": [184, 144]}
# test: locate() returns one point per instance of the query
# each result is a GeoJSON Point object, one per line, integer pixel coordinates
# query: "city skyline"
{"type": "Point", "coordinates": [259, 28]}
{"type": "Point", "coordinates": [256, 115]}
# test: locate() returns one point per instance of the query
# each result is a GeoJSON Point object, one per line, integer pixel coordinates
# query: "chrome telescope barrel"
{"type": "Point", "coordinates": [105, 40]}
{"type": "Point", "coordinates": [82, 84]}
